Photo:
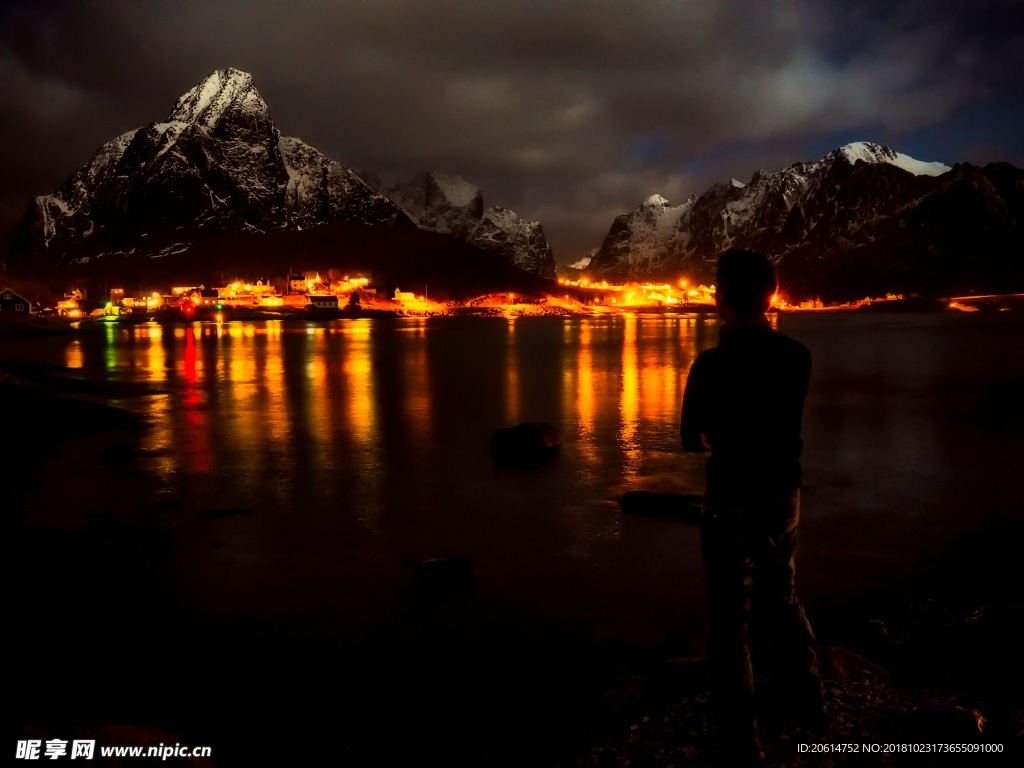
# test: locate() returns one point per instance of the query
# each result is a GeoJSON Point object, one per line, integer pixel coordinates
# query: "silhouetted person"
{"type": "Point", "coordinates": [744, 403]}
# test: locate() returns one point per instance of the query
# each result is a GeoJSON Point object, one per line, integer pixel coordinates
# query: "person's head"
{"type": "Point", "coordinates": [746, 282]}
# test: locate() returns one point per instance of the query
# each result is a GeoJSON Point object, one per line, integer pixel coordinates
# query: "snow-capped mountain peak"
{"type": "Point", "coordinates": [877, 153]}
{"type": "Point", "coordinates": [217, 164]}
{"type": "Point", "coordinates": [655, 199]}
{"type": "Point", "coordinates": [850, 207]}
{"type": "Point", "coordinates": [220, 93]}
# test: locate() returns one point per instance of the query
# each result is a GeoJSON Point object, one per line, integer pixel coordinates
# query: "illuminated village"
{"type": "Point", "coordinates": [312, 294]}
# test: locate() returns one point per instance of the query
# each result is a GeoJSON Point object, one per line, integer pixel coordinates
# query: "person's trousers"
{"type": "Point", "coordinates": [756, 622]}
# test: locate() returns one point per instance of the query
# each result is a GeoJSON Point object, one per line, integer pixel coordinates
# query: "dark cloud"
{"type": "Point", "coordinates": [568, 112]}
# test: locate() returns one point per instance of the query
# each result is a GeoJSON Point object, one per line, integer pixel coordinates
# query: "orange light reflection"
{"type": "Point", "coordinates": [629, 400]}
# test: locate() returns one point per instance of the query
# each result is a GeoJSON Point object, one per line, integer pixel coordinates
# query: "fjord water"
{"type": "Point", "coordinates": [292, 471]}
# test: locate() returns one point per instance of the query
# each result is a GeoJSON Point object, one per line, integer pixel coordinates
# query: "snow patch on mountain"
{"type": "Point", "coordinates": [220, 93]}
{"type": "Point", "coordinates": [319, 189]}
{"type": "Point", "coordinates": [877, 153]}
{"type": "Point", "coordinates": [456, 190]}
{"type": "Point", "coordinates": [641, 241]}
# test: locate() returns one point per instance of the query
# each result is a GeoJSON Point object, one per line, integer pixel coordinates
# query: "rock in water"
{"type": "Point", "coordinates": [455, 573]}
{"type": "Point", "coordinates": [526, 445]}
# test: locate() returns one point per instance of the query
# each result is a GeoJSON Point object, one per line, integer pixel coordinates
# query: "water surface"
{"type": "Point", "coordinates": [293, 469]}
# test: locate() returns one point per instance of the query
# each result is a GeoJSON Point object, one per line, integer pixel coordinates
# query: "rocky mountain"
{"type": "Point", "coordinates": [445, 203]}
{"type": "Point", "coordinates": [217, 164]}
{"type": "Point", "coordinates": [864, 219]}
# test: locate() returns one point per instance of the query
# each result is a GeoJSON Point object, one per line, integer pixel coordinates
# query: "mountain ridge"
{"type": "Point", "coordinates": [862, 201]}
{"type": "Point", "coordinates": [445, 202]}
{"type": "Point", "coordinates": [219, 164]}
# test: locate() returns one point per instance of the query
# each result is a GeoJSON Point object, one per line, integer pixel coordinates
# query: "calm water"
{"type": "Point", "coordinates": [331, 454]}
{"type": "Point", "coordinates": [255, 557]}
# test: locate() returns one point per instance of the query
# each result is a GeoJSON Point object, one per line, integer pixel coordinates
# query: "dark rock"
{"type": "Point", "coordinates": [937, 722]}
{"type": "Point", "coordinates": [40, 414]}
{"type": "Point", "coordinates": [526, 445]}
{"type": "Point", "coordinates": [220, 514]}
{"type": "Point", "coordinates": [667, 506]}
{"type": "Point", "coordinates": [975, 647]}
{"type": "Point", "coordinates": [453, 575]}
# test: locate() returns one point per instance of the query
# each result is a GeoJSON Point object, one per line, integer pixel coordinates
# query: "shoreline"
{"type": "Point", "coordinates": [34, 325]}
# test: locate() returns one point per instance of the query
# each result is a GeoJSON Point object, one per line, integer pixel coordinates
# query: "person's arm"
{"type": "Point", "coordinates": [692, 426]}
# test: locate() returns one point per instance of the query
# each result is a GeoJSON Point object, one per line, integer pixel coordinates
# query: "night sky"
{"type": "Point", "coordinates": [566, 112]}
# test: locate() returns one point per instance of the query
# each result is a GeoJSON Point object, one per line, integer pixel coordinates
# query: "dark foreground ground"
{"type": "Point", "coordinates": [102, 648]}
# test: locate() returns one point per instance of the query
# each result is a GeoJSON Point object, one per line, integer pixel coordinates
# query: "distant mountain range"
{"type": "Point", "coordinates": [218, 167]}
{"type": "Point", "coordinates": [442, 202]}
{"type": "Point", "coordinates": [862, 220]}
{"type": "Point", "coordinates": [201, 188]}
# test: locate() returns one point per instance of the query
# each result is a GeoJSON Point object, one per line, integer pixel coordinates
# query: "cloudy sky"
{"type": "Point", "coordinates": [566, 112]}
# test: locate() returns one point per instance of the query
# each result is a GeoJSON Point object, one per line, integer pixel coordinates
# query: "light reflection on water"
{"type": "Point", "coordinates": [366, 442]}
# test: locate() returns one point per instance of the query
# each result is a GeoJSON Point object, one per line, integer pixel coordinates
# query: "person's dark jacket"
{"type": "Point", "coordinates": [745, 399]}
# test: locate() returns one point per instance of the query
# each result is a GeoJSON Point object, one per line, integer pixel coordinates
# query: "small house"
{"type": "Point", "coordinates": [11, 302]}
{"type": "Point", "coordinates": [297, 283]}
{"type": "Point", "coordinates": [307, 282]}
{"type": "Point", "coordinates": [204, 297]}
{"type": "Point", "coordinates": [322, 301]}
